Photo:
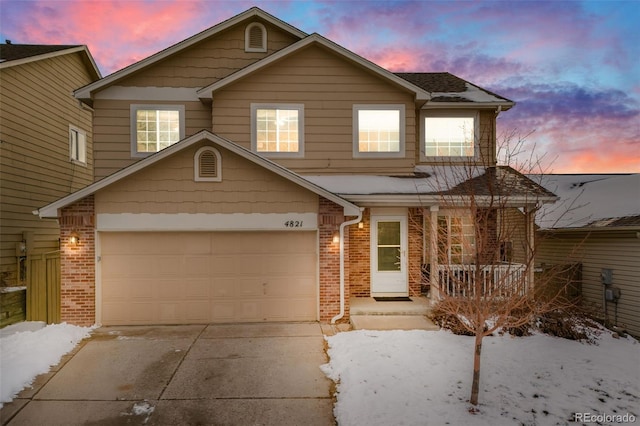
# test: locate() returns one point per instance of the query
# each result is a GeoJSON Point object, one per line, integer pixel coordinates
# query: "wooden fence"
{"type": "Point", "coordinates": [43, 287]}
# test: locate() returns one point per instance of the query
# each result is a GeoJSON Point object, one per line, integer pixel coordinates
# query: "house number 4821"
{"type": "Point", "coordinates": [293, 224]}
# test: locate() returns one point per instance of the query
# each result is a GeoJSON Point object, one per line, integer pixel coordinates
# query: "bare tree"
{"type": "Point", "coordinates": [485, 254]}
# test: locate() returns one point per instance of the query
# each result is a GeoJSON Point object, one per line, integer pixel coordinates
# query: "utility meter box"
{"type": "Point", "coordinates": [607, 276]}
{"type": "Point", "coordinates": [612, 294]}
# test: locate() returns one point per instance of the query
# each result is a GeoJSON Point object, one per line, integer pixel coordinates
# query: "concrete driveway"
{"type": "Point", "coordinates": [240, 374]}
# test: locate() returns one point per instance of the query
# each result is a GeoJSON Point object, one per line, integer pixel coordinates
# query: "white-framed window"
{"type": "Point", "coordinates": [255, 38]}
{"type": "Point", "coordinates": [207, 165]}
{"type": "Point", "coordinates": [456, 238]}
{"type": "Point", "coordinates": [449, 134]}
{"type": "Point", "coordinates": [155, 127]}
{"type": "Point", "coordinates": [378, 130]}
{"type": "Point", "coordinates": [77, 145]}
{"type": "Point", "coordinates": [277, 130]}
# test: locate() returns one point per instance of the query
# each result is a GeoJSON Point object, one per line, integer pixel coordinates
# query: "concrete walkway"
{"type": "Point", "coordinates": [265, 374]}
{"type": "Point", "coordinates": [369, 314]}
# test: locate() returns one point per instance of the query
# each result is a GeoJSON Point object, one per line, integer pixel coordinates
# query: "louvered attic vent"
{"type": "Point", "coordinates": [255, 38]}
{"type": "Point", "coordinates": [207, 165]}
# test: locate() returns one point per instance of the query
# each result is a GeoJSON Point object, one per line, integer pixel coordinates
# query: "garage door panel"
{"type": "Point", "coordinates": [163, 278]}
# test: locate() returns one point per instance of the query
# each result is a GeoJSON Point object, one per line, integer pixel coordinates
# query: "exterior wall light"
{"type": "Point", "coordinates": [336, 237]}
{"type": "Point", "coordinates": [74, 238]}
{"type": "Point", "coordinates": [360, 225]}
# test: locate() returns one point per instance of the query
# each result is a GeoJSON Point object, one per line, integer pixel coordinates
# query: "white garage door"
{"type": "Point", "coordinates": [203, 277]}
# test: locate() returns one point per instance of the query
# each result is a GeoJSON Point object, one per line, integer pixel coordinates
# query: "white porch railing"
{"type": "Point", "coordinates": [496, 280]}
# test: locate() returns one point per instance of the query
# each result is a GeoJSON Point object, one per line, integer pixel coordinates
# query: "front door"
{"type": "Point", "coordinates": [389, 256]}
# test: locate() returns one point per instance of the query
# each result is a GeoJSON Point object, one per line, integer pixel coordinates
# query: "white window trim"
{"type": "Point", "coordinates": [133, 124]}
{"type": "Point", "coordinates": [196, 165]}
{"type": "Point", "coordinates": [247, 47]}
{"type": "Point", "coordinates": [254, 129]}
{"type": "Point", "coordinates": [356, 130]}
{"type": "Point", "coordinates": [450, 113]}
{"type": "Point", "coordinates": [81, 133]}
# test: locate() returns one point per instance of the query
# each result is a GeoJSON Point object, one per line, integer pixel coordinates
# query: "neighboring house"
{"type": "Point", "coordinates": [45, 145]}
{"type": "Point", "coordinates": [596, 223]}
{"type": "Point", "coordinates": [254, 172]}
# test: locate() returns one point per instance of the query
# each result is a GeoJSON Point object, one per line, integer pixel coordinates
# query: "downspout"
{"type": "Point", "coordinates": [343, 225]}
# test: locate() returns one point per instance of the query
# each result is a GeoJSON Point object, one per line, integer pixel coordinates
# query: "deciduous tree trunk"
{"type": "Point", "coordinates": [475, 385]}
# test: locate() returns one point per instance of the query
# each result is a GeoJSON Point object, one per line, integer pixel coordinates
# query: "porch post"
{"type": "Point", "coordinates": [529, 217]}
{"type": "Point", "coordinates": [433, 251]}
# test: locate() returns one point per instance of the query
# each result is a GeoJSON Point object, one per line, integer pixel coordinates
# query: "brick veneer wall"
{"type": "Point", "coordinates": [360, 257]}
{"type": "Point", "coordinates": [77, 263]}
{"type": "Point", "coordinates": [415, 250]}
{"type": "Point", "coordinates": [330, 216]}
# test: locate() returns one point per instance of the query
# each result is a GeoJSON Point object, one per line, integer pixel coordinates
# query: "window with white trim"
{"type": "Point", "coordinates": [456, 239]}
{"type": "Point", "coordinates": [77, 145]}
{"type": "Point", "coordinates": [255, 38]}
{"type": "Point", "coordinates": [278, 129]}
{"type": "Point", "coordinates": [207, 165]}
{"type": "Point", "coordinates": [378, 130]}
{"type": "Point", "coordinates": [449, 134]}
{"type": "Point", "coordinates": [155, 127]}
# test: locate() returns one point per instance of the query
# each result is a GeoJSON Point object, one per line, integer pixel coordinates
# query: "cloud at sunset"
{"type": "Point", "coordinates": [571, 67]}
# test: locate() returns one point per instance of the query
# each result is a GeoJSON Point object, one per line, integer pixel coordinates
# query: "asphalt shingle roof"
{"type": "Point", "coordinates": [12, 52]}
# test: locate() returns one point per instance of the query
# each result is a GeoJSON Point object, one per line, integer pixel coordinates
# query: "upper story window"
{"type": "Point", "coordinates": [278, 129]}
{"type": "Point", "coordinates": [449, 134]}
{"type": "Point", "coordinates": [155, 127]}
{"type": "Point", "coordinates": [77, 145]}
{"type": "Point", "coordinates": [255, 38]}
{"type": "Point", "coordinates": [207, 165]}
{"type": "Point", "coordinates": [378, 130]}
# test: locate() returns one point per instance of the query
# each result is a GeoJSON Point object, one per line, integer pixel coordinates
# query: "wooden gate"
{"type": "Point", "coordinates": [43, 287]}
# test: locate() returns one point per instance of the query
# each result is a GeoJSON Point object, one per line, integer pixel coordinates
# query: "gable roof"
{"type": "Point", "coordinates": [591, 201]}
{"type": "Point", "coordinates": [206, 92]}
{"type": "Point", "coordinates": [51, 210]}
{"type": "Point", "coordinates": [85, 93]}
{"type": "Point", "coordinates": [446, 88]}
{"type": "Point", "coordinates": [18, 54]}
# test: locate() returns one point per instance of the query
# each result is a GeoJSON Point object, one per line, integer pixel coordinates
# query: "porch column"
{"type": "Point", "coordinates": [529, 217]}
{"type": "Point", "coordinates": [433, 253]}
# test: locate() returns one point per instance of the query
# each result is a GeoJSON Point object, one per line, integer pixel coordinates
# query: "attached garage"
{"type": "Point", "coordinates": [204, 277]}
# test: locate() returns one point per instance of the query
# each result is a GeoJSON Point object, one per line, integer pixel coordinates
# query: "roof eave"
{"type": "Point", "coordinates": [77, 49]}
{"type": "Point", "coordinates": [504, 106]}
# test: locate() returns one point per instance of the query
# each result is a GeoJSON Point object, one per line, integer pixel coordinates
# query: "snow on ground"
{"type": "Point", "coordinates": [28, 349]}
{"type": "Point", "coordinates": [424, 377]}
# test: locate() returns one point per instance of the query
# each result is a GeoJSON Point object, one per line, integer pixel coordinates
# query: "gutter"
{"type": "Point", "coordinates": [343, 225]}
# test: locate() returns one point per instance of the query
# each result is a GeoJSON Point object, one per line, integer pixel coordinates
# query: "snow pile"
{"type": "Point", "coordinates": [424, 377]}
{"type": "Point", "coordinates": [31, 348]}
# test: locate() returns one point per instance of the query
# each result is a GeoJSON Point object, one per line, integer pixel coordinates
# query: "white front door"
{"type": "Point", "coordinates": [389, 256]}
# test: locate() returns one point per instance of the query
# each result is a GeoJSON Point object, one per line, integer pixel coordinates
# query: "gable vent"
{"type": "Point", "coordinates": [208, 165]}
{"type": "Point", "coordinates": [256, 38]}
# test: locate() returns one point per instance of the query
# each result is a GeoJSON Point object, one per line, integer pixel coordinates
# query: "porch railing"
{"type": "Point", "coordinates": [495, 280]}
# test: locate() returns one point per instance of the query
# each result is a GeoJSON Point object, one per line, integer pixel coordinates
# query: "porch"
{"type": "Point", "coordinates": [369, 314]}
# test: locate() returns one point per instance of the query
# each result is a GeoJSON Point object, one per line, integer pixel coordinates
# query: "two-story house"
{"type": "Point", "coordinates": [45, 145]}
{"type": "Point", "coordinates": [254, 172]}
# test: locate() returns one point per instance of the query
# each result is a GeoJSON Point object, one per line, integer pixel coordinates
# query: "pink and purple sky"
{"type": "Point", "coordinates": [573, 67]}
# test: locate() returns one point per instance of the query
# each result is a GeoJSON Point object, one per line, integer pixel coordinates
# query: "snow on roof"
{"type": "Point", "coordinates": [589, 200]}
{"type": "Point", "coordinates": [473, 94]}
{"type": "Point", "coordinates": [428, 179]}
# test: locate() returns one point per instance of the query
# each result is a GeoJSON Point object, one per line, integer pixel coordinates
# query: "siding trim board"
{"type": "Point", "coordinates": [207, 222]}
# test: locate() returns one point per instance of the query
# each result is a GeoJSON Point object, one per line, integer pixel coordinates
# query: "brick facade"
{"type": "Point", "coordinates": [330, 216]}
{"type": "Point", "coordinates": [415, 241]}
{"type": "Point", "coordinates": [77, 263]}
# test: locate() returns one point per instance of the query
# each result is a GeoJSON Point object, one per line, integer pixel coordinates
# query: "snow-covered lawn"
{"type": "Point", "coordinates": [424, 377]}
{"type": "Point", "coordinates": [31, 348]}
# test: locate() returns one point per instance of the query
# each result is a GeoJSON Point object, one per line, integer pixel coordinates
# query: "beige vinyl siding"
{"type": "Point", "coordinates": [112, 131]}
{"type": "Point", "coordinates": [169, 187]}
{"type": "Point", "coordinates": [619, 251]}
{"type": "Point", "coordinates": [328, 86]}
{"type": "Point", "coordinates": [210, 60]}
{"type": "Point", "coordinates": [36, 109]}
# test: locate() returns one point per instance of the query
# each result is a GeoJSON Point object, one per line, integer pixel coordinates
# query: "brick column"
{"type": "Point", "coordinates": [77, 263]}
{"type": "Point", "coordinates": [330, 216]}
{"type": "Point", "coordinates": [415, 251]}
{"type": "Point", "coordinates": [360, 257]}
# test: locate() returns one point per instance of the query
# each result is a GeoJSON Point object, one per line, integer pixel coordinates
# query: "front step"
{"type": "Point", "coordinates": [392, 322]}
